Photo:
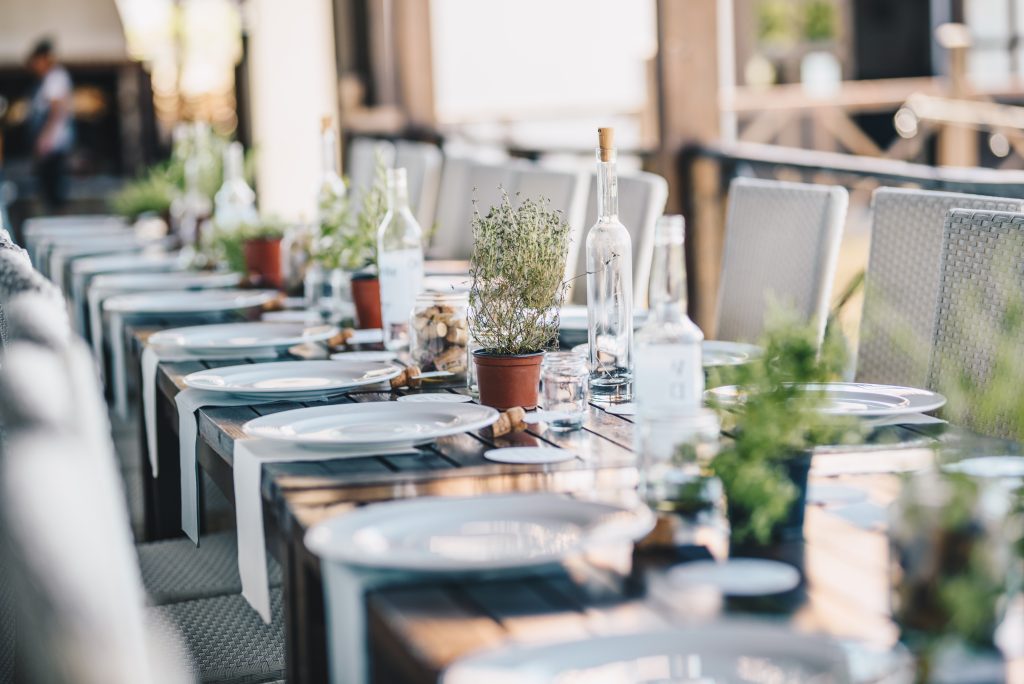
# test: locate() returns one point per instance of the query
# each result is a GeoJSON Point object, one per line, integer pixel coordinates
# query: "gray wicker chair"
{"type": "Point", "coordinates": [981, 282]}
{"type": "Point", "coordinates": [226, 626]}
{"type": "Point", "coordinates": [902, 282]}
{"type": "Point", "coordinates": [18, 277]}
{"type": "Point", "coordinates": [781, 243]}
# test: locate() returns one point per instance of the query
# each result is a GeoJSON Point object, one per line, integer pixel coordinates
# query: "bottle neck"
{"type": "Point", "coordinates": [607, 191]}
{"type": "Point", "coordinates": [328, 154]}
{"type": "Point", "coordinates": [233, 162]}
{"type": "Point", "coordinates": [398, 193]}
{"type": "Point", "coordinates": [667, 295]}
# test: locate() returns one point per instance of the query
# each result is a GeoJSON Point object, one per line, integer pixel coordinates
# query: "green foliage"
{"type": "Point", "coordinates": [819, 20]}
{"type": "Point", "coordinates": [228, 246]}
{"type": "Point", "coordinates": [776, 421]}
{"type": "Point", "coordinates": [783, 22]}
{"type": "Point", "coordinates": [518, 269]}
{"type": "Point", "coordinates": [152, 192]}
{"type": "Point", "coordinates": [349, 241]}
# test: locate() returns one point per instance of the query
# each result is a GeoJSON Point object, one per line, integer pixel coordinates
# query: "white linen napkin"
{"type": "Point", "coordinates": [151, 358]}
{"type": "Point", "coordinates": [188, 401]}
{"type": "Point", "coordinates": [249, 457]}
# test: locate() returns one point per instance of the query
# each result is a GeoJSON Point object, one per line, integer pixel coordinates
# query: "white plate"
{"type": "Point", "coordinates": [370, 423]}
{"type": "Point", "coordinates": [188, 301]}
{"type": "Point", "coordinates": [723, 353]}
{"type": "Point", "coordinates": [737, 576]}
{"type": "Point", "coordinates": [529, 455]}
{"type": "Point", "coordinates": [729, 651]}
{"type": "Point", "coordinates": [715, 352]}
{"type": "Point", "coordinates": [988, 466]}
{"type": "Point", "coordinates": [225, 337]}
{"type": "Point", "coordinates": [283, 378]}
{"type": "Point", "coordinates": [855, 399]}
{"type": "Point", "coordinates": [477, 533]}
{"type": "Point", "coordinates": [365, 356]}
{"type": "Point", "coordinates": [436, 398]}
{"type": "Point", "coordinates": [173, 280]}
{"type": "Point", "coordinates": [113, 263]}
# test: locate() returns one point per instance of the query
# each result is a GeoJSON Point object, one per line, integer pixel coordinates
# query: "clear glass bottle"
{"type": "Point", "coordinates": [331, 190]}
{"type": "Point", "coordinates": [234, 204]}
{"type": "Point", "coordinates": [565, 380]}
{"type": "Point", "coordinates": [399, 262]}
{"type": "Point", "coordinates": [668, 375]}
{"type": "Point", "coordinates": [440, 336]}
{"type": "Point", "coordinates": [192, 207]}
{"type": "Point", "coordinates": [609, 287]}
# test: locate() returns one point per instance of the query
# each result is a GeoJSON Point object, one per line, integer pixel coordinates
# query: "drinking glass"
{"type": "Point", "coordinates": [565, 379]}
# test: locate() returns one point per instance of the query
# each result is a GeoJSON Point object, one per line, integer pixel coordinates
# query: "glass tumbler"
{"type": "Point", "coordinates": [674, 451]}
{"type": "Point", "coordinates": [565, 379]}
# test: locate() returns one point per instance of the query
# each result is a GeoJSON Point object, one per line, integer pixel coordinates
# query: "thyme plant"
{"type": "Point", "coordinates": [518, 270]}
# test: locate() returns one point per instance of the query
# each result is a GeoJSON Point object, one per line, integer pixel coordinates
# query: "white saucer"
{"type": "Point", "coordinates": [529, 455]}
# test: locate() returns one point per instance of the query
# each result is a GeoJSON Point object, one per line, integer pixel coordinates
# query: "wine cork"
{"type": "Point", "coordinates": [325, 123]}
{"type": "Point", "coordinates": [606, 141]}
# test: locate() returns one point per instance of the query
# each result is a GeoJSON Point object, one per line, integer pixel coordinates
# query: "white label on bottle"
{"type": "Point", "coordinates": [669, 377]}
{"type": "Point", "coordinates": [401, 277]}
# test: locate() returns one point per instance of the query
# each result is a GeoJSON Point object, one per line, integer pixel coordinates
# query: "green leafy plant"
{"type": "Point", "coordinates": [777, 421]}
{"type": "Point", "coordinates": [152, 192]}
{"type": "Point", "coordinates": [518, 270]}
{"type": "Point", "coordinates": [819, 20]}
{"type": "Point", "coordinates": [347, 240]}
{"type": "Point", "coordinates": [228, 246]}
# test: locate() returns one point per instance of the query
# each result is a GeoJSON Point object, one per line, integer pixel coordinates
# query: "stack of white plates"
{"type": "Point", "coordinates": [291, 380]}
{"type": "Point", "coordinates": [854, 399]}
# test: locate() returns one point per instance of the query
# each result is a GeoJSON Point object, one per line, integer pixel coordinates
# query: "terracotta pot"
{"type": "Point", "coordinates": [366, 297]}
{"type": "Point", "coordinates": [507, 381]}
{"type": "Point", "coordinates": [263, 260]}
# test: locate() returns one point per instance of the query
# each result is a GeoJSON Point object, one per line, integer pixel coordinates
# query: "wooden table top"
{"type": "Point", "coordinates": [416, 631]}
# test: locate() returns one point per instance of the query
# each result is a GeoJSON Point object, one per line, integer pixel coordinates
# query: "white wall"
{"type": "Point", "coordinates": [83, 30]}
{"type": "Point", "coordinates": [294, 82]}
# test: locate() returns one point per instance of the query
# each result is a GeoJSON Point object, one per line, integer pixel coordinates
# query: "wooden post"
{"type": "Point", "coordinates": [958, 144]}
{"type": "Point", "coordinates": [696, 82]}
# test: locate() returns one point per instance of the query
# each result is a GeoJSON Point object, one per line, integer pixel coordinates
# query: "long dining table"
{"type": "Point", "coordinates": [417, 630]}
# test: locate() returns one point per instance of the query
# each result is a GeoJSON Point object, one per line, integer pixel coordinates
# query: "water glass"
{"type": "Point", "coordinates": [674, 451]}
{"type": "Point", "coordinates": [565, 379]}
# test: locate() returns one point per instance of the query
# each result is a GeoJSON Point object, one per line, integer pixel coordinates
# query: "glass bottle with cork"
{"type": "Point", "coordinates": [609, 287]}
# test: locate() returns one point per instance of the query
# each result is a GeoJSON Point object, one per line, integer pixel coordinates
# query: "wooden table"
{"type": "Point", "coordinates": [416, 631]}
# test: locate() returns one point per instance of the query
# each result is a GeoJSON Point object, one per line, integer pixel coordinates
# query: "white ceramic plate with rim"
{"type": "Point", "coordinates": [284, 378]}
{"type": "Point", "coordinates": [729, 650]}
{"type": "Point", "coordinates": [451, 534]}
{"type": "Point", "coordinates": [188, 301]}
{"type": "Point", "coordinates": [185, 280]}
{"type": "Point", "coordinates": [854, 399]}
{"type": "Point", "coordinates": [229, 337]}
{"type": "Point", "coordinates": [714, 352]}
{"type": "Point", "coordinates": [574, 317]}
{"type": "Point", "coordinates": [375, 423]}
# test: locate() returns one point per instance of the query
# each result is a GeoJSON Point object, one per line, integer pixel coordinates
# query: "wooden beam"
{"type": "Point", "coordinates": [415, 61]}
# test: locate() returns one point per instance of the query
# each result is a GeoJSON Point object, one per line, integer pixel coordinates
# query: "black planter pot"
{"type": "Point", "coordinates": [790, 528]}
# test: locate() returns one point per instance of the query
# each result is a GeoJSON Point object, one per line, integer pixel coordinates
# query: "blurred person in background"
{"type": "Point", "coordinates": [50, 124]}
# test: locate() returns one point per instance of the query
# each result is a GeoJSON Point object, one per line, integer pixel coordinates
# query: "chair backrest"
{"type": "Point", "coordinates": [422, 164]}
{"type": "Point", "coordinates": [902, 284]}
{"type": "Point", "coordinates": [781, 244]}
{"type": "Point", "coordinates": [18, 277]}
{"type": "Point", "coordinates": [361, 163]}
{"type": "Point", "coordinates": [79, 595]}
{"type": "Point", "coordinates": [642, 198]}
{"type": "Point", "coordinates": [981, 285]}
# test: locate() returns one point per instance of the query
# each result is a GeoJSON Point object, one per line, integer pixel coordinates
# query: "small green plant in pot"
{"type": "Point", "coordinates": [518, 269]}
{"type": "Point", "coordinates": [764, 467]}
{"type": "Point", "coordinates": [253, 249]}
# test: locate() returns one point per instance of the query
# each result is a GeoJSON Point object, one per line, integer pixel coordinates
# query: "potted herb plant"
{"type": "Point", "coordinates": [764, 467]}
{"type": "Point", "coordinates": [518, 268]}
{"type": "Point", "coordinates": [252, 249]}
{"type": "Point", "coordinates": [151, 193]}
{"type": "Point", "coordinates": [347, 244]}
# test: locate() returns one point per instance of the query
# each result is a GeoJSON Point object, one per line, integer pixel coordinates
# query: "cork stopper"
{"type": "Point", "coordinates": [606, 143]}
{"type": "Point", "coordinates": [325, 123]}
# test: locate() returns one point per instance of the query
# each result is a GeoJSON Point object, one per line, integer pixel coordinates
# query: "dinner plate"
{"type": "Point", "coordinates": [185, 280]}
{"type": "Point", "coordinates": [737, 576]}
{"type": "Point", "coordinates": [728, 650]}
{"type": "Point", "coordinates": [365, 356]}
{"type": "Point", "coordinates": [370, 423]}
{"type": "Point", "coordinates": [714, 352]}
{"type": "Point", "coordinates": [451, 534]}
{"type": "Point", "coordinates": [435, 398]}
{"type": "Point", "coordinates": [112, 263]}
{"type": "Point", "coordinates": [188, 301]}
{"type": "Point", "coordinates": [854, 399]}
{"type": "Point", "coordinates": [287, 378]}
{"type": "Point", "coordinates": [225, 337]}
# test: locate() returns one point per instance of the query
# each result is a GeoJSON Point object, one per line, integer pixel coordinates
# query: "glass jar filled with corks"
{"type": "Point", "coordinates": [440, 336]}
